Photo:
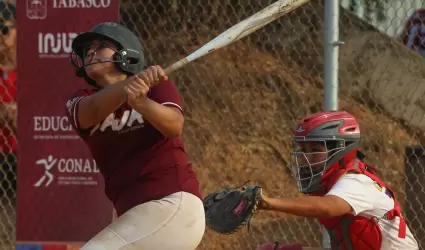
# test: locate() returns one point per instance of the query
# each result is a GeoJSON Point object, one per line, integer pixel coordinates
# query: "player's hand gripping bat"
{"type": "Point", "coordinates": [240, 30]}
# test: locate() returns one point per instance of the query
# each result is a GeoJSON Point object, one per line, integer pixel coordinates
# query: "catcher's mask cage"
{"type": "Point", "coordinates": [128, 56]}
{"type": "Point", "coordinates": [323, 141]}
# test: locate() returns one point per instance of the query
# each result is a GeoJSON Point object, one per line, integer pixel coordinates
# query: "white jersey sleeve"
{"type": "Point", "coordinates": [369, 199]}
{"type": "Point", "coordinates": [363, 194]}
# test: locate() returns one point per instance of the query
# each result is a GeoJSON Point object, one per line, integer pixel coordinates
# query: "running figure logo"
{"type": "Point", "coordinates": [47, 177]}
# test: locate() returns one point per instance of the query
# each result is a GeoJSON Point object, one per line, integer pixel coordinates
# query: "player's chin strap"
{"type": "Point", "coordinates": [81, 72]}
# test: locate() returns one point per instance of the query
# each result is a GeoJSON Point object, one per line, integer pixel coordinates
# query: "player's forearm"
{"type": "Point", "coordinates": [95, 108]}
{"type": "Point", "coordinates": [306, 206]}
{"type": "Point", "coordinates": [169, 121]}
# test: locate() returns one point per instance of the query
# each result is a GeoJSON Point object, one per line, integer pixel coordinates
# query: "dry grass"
{"type": "Point", "coordinates": [241, 103]}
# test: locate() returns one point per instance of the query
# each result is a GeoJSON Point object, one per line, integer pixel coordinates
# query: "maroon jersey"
{"type": "Point", "coordinates": [137, 162]}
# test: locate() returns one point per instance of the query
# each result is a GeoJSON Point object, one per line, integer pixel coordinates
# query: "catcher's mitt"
{"type": "Point", "coordinates": [228, 210]}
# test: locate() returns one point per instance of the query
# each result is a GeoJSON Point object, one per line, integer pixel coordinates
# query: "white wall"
{"type": "Point", "coordinates": [397, 14]}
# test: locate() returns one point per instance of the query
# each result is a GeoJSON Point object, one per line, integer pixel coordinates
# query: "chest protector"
{"type": "Point", "coordinates": [349, 232]}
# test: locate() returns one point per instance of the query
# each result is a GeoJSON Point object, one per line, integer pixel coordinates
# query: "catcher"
{"type": "Point", "coordinates": [356, 207]}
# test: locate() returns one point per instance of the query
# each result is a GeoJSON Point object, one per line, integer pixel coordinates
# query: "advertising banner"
{"type": "Point", "coordinates": [60, 196]}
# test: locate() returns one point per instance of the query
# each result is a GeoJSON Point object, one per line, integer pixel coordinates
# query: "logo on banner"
{"type": "Point", "coordinates": [76, 4]}
{"type": "Point", "coordinates": [55, 159]}
{"type": "Point", "coordinates": [55, 45]}
{"type": "Point", "coordinates": [53, 128]}
{"type": "Point", "coordinates": [36, 9]}
{"type": "Point", "coordinates": [67, 171]}
{"type": "Point", "coordinates": [47, 177]}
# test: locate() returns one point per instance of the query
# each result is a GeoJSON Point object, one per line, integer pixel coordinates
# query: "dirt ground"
{"type": "Point", "coordinates": [241, 102]}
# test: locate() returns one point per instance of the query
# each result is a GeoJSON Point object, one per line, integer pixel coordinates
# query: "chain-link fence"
{"type": "Point", "coordinates": [8, 125]}
{"type": "Point", "coordinates": [241, 101]}
{"type": "Point", "coordinates": [381, 70]}
{"type": "Point", "coordinates": [253, 90]}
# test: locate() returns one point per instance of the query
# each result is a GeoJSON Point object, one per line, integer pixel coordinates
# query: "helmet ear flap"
{"type": "Point", "coordinates": [129, 61]}
{"type": "Point", "coordinates": [120, 57]}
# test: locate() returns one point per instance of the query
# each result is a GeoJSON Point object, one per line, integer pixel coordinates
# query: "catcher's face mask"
{"type": "Point", "coordinates": [310, 161]}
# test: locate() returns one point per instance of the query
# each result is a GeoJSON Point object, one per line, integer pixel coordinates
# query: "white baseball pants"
{"type": "Point", "coordinates": [175, 222]}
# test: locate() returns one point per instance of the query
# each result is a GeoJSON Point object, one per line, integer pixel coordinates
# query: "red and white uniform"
{"type": "Point", "coordinates": [371, 200]}
{"type": "Point", "coordinates": [326, 163]}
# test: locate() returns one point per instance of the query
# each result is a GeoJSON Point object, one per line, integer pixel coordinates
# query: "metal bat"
{"type": "Point", "coordinates": [240, 30]}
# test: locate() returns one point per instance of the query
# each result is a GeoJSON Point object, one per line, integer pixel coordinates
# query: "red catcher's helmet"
{"type": "Point", "coordinates": [322, 143]}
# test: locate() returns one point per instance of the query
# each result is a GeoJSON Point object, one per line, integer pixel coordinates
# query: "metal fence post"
{"type": "Point", "coordinates": [331, 54]}
{"type": "Point", "coordinates": [331, 42]}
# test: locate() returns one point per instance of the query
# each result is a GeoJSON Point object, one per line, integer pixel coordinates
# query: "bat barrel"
{"type": "Point", "coordinates": [240, 30]}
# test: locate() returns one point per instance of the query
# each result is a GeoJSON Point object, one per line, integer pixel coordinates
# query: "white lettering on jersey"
{"type": "Point", "coordinates": [123, 125]}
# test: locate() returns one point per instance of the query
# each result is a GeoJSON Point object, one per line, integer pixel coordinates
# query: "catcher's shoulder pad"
{"type": "Point", "coordinates": [227, 210]}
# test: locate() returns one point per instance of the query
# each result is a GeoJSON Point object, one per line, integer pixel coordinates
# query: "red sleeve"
{"type": "Point", "coordinates": [72, 108]}
{"type": "Point", "coordinates": [166, 94]}
{"type": "Point", "coordinates": [8, 87]}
